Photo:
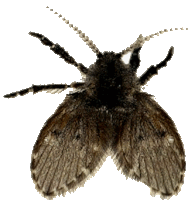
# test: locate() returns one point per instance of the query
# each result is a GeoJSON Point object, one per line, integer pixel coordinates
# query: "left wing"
{"type": "Point", "coordinates": [71, 147]}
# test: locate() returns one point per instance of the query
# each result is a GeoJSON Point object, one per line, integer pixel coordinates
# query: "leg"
{"type": "Point", "coordinates": [135, 59]}
{"type": "Point", "coordinates": [77, 85]}
{"type": "Point", "coordinates": [54, 88]}
{"type": "Point", "coordinates": [57, 49]}
{"type": "Point", "coordinates": [154, 70]}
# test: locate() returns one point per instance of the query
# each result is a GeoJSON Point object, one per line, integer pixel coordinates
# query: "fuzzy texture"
{"type": "Point", "coordinates": [110, 82]}
{"type": "Point", "coordinates": [107, 115]}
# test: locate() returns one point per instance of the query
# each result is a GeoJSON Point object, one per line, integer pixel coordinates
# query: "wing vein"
{"type": "Point", "coordinates": [153, 164]}
{"type": "Point", "coordinates": [44, 162]}
{"type": "Point", "coordinates": [48, 168]}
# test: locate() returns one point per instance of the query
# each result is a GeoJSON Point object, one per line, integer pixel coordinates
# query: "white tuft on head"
{"type": "Point", "coordinates": [126, 57]}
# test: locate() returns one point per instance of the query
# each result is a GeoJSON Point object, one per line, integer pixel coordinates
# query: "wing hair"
{"type": "Point", "coordinates": [70, 148]}
{"type": "Point", "coordinates": [149, 149]}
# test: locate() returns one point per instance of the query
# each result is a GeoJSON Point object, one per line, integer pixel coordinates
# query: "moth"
{"type": "Point", "coordinates": [106, 115]}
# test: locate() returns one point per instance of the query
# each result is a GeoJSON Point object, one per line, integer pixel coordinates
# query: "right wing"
{"type": "Point", "coordinates": [149, 149]}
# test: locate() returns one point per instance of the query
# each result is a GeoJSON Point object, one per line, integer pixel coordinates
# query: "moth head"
{"type": "Point", "coordinates": [111, 71]}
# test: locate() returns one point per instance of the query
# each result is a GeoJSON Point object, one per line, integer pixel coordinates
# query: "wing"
{"type": "Point", "coordinates": [70, 148]}
{"type": "Point", "coordinates": [149, 149]}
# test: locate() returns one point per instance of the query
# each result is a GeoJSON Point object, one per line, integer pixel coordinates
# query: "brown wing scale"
{"type": "Point", "coordinates": [70, 148]}
{"type": "Point", "coordinates": [149, 149]}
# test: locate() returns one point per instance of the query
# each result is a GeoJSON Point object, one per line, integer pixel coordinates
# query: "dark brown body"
{"type": "Point", "coordinates": [107, 115]}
